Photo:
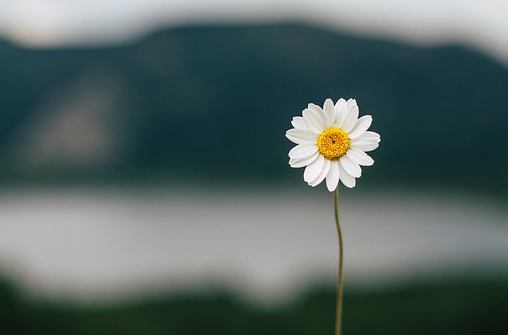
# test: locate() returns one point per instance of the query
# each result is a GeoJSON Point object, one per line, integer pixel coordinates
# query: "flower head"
{"type": "Point", "coordinates": [331, 143]}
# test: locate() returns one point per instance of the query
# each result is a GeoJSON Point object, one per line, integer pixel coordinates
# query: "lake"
{"type": "Point", "coordinates": [106, 244]}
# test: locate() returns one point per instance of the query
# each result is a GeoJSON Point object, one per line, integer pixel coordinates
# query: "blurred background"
{"type": "Point", "coordinates": [144, 180]}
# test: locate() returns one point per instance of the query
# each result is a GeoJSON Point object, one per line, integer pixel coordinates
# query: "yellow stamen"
{"type": "Point", "coordinates": [333, 143]}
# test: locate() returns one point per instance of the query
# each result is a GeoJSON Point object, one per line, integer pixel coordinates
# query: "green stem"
{"type": "Point", "coordinates": [338, 317]}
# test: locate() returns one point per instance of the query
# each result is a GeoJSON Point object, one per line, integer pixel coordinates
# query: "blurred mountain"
{"type": "Point", "coordinates": [215, 101]}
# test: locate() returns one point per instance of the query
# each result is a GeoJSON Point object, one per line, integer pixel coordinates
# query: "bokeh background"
{"type": "Point", "coordinates": [144, 179]}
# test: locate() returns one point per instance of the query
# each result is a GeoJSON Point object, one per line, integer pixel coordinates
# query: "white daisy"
{"type": "Point", "coordinates": [331, 143]}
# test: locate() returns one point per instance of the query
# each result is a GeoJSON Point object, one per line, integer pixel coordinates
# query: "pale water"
{"type": "Point", "coordinates": [102, 245]}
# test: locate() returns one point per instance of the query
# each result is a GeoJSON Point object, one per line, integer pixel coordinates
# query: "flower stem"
{"type": "Point", "coordinates": [338, 317]}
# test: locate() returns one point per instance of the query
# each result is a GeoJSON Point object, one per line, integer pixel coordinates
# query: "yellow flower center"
{"type": "Point", "coordinates": [333, 143]}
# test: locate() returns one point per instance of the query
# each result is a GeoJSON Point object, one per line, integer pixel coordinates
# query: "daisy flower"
{"type": "Point", "coordinates": [332, 143]}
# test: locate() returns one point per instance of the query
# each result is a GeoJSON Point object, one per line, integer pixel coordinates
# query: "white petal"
{"type": "Point", "coordinates": [361, 126]}
{"type": "Point", "coordinates": [322, 175]}
{"type": "Point", "coordinates": [350, 120]}
{"type": "Point", "coordinates": [314, 118]}
{"type": "Point", "coordinates": [346, 178]}
{"type": "Point", "coordinates": [340, 112]}
{"type": "Point", "coordinates": [364, 145]}
{"type": "Point", "coordinates": [351, 167]}
{"type": "Point", "coordinates": [303, 150]}
{"type": "Point", "coordinates": [300, 136]}
{"type": "Point", "coordinates": [329, 112]}
{"type": "Point", "coordinates": [359, 157]}
{"type": "Point", "coordinates": [351, 103]}
{"type": "Point", "coordinates": [370, 135]}
{"type": "Point", "coordinates": [315, 108]}
{"type": "Point", "coordinates": [301, 162]}
{"type": "Point", "coordinates": [332, 179]}
{"type": "Point", "coordinates": [299, 123]}
{"type": "Point", "coordinates": [313, 170]}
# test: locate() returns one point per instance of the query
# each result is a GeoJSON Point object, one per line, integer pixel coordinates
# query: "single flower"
{"type": "Point", "coordinates": [332, 143]}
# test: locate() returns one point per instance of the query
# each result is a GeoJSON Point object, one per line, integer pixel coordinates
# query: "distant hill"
{"type": "Point", "coordinates": [215, 101]}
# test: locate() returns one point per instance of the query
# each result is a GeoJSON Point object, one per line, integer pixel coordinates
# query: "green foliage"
{"type": "Point", "coordinates": [439, 308]}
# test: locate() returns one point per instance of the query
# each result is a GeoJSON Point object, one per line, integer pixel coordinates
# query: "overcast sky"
{"type": "Point", "coordinates": [481, 23]}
